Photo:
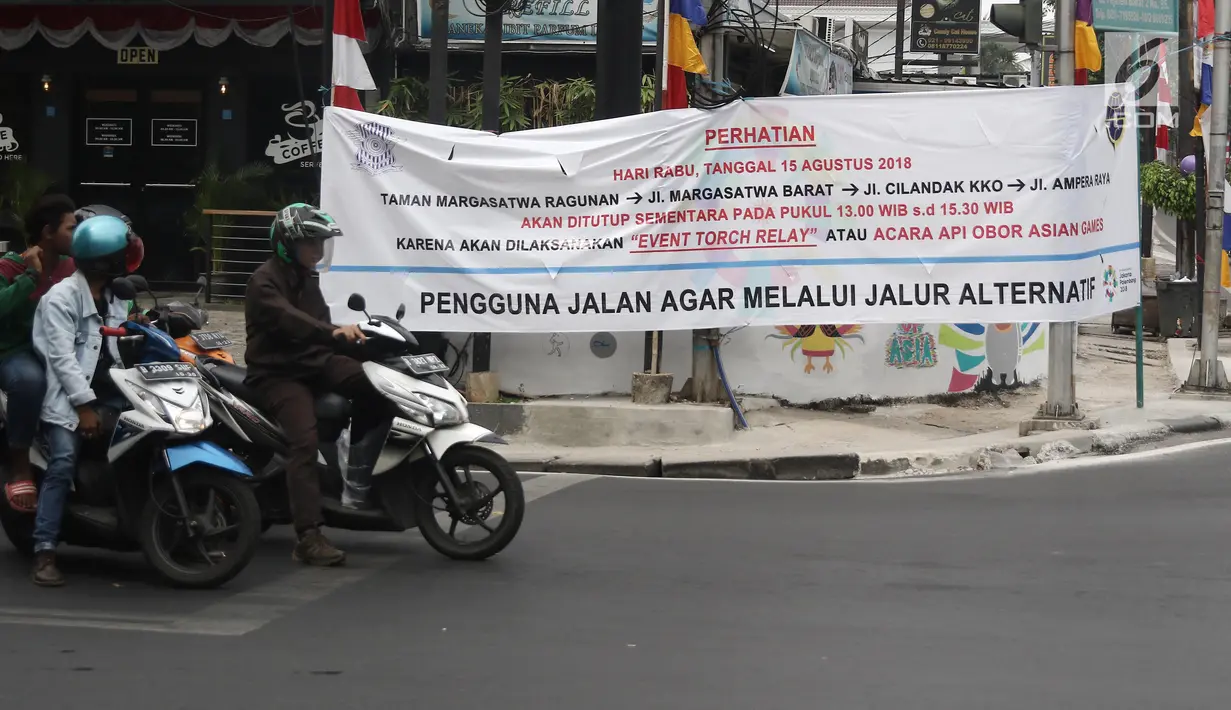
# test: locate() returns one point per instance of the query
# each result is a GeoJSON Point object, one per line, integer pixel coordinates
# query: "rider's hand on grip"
{"type": "Point", "coordinates": [350, 333]}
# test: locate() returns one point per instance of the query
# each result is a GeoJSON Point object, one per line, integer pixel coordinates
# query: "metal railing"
{"type": "Point", "coordinates": [238, 244]}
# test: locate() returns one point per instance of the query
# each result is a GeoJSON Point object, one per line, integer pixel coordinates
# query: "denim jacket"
{"type": "Point", "coordinates": [66, 337]}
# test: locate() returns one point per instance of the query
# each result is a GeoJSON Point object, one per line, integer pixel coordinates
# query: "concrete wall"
{"type": "Point", "coordinates": [799, 364]}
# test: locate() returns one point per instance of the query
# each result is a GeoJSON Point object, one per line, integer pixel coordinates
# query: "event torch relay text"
{"type": "Point", "coordinates": [746, 215]}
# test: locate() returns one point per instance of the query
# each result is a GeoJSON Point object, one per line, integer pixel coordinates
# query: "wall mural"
{"type": "Point", "coordinates": [910, 346]}
{"type": "Point", "coordinates": [818, 341]}
{"type": "Point", "coordinates": [988, 355]}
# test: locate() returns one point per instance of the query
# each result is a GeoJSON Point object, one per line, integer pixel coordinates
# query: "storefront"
{"type": "Point", "coordinates": [129, 104]}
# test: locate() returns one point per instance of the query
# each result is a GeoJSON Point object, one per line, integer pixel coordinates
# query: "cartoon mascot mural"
{"type": "Point", "coordinates": [818, 341]}
{"type": "Point", "coordinates": [988, 354]}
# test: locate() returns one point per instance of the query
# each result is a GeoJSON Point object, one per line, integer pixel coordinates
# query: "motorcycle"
{"type": "Point", "coordinates": [158, 485]}
{"type": "Point", "coordinates": [427, 447]}
{"type": "Point", "coordinates": [185, 322]}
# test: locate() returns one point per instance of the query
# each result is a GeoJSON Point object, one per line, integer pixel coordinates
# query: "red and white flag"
{"type": "Point", "coordinates": [350, 69]}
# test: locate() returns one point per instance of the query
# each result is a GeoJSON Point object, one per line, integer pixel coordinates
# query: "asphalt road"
{"type": "Point", "coordinates": [1098, 587]}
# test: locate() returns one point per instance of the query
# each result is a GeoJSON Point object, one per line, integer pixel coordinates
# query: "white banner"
{"type": "Point", "coordinates": [978, 206]}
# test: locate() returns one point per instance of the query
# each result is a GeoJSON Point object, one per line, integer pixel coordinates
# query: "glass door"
{"type": "Point", "coordinates": [109, 136]}
{"type": "Point", "coordinates": [174, 158]}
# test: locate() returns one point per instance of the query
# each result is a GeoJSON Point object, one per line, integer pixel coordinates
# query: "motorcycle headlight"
{"type": "Point", "coordinates": [443, 413]}
{"type": "Point", "coordinates": [422, 408]}
{"type": "Point", "coordinates": [190, 420]}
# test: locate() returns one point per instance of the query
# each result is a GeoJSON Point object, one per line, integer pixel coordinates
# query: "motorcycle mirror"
{"type": "Point", "coordinates": [356, 303]}
{"type": "Point", "coordinates": [139, 282]}
{"type": "Point", "coordinates": [201, 284]}
{"type": "Point", "coordinates": [401, 312]}
{"type": "Point", "coordinates": [123, 289]}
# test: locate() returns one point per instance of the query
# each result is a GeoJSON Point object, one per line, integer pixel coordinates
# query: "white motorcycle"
{"type": "Point", "coordinates": [415, 470]}
{"type": "Point", "coordinates": [157, 484]}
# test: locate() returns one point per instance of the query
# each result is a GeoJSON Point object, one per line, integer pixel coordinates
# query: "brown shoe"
{"type": "Point", "coordinates": [315, 549]}
{"type": "Point", "coordinates": [46, 574]}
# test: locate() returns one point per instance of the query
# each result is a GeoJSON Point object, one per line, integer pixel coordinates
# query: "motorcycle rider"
{"type": "Point", "coordinates": [24, 278]}
{"type": "Point", "coordinates": [292, 358]}
{"type": "Point", "coordinates": [66, 337]}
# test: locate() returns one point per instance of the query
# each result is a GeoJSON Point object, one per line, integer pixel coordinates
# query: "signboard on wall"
{"type": "Point", "coordinates": [543, 21]}
{"type": "Point", "coordinates": [284, 125]}
{"type": "Point", "coordinates": [136, 55]}
{"type": "Point", "coordinates": [814, 69]}
{"type": "Point", "coordinates": [109, 131]}
{"type": "Point", "coordinates": [173, 132]}
{"type": "Point", "coordinates": [1156, 17]}
{"type": "Point", "coordinates": [759, 213]}
{"type": "Point", "coordinates": [944, 26]}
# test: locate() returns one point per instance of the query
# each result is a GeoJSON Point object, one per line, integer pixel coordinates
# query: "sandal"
{"type": "Point", "coordinates": [16, 489]}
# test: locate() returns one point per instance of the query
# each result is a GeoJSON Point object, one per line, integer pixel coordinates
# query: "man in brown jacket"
{"type": "Point", "coordinates": [293, 358]}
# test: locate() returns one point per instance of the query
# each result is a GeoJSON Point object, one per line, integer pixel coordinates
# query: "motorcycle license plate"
{"type": "Point", "coordinates": [155, 371]}
{"type": "Point", "coordinates": [424, 364]}
{"type": "Point", "coordinates": [211, 340]}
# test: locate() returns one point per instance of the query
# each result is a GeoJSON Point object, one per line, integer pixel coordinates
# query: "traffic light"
{"type": "Point", "coordinates": [1023, 21]}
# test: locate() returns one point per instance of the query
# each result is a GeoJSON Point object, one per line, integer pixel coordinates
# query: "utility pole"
{"type": "Point", "coordinates": [1185, 252]}
{"type": "Point", "coordinates": [493, 37]}
{"type": "Point", "coordinates": [1208, 372]}
{"type": "Point", "coordinates": [899, 38]}
{"type": "Point", "coordinates": [706, 387]}
{"type": "Point", "coordinates": [438, 72]}
{"type": "Point", "coordinates": [617, 75]}
{"type": "Point", "coordinates": [1061, 384]}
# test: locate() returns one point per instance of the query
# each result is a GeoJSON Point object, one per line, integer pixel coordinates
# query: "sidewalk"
{"type": "Point", "coordinates": [972, 431]}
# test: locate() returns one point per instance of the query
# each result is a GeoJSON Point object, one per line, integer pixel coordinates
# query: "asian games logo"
{"type": "Point", "coordinates": [1111, 283]}
{"type": "Point", "coordinates": [374, 153]}
{"type": "Point", "coordinates": [1113, 122]}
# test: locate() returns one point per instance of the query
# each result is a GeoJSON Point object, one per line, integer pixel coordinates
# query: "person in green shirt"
{"type": "Point", "coordinates": [24, 278]}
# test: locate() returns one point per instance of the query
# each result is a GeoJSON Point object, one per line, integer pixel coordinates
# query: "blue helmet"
{"type": "Point", "coordinates": [106, 245]}
{"type": "Point", "coordinates": [99, 237]}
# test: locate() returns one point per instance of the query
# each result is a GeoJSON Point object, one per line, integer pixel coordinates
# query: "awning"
{"type": "Point", "coordinates": [161, 27]}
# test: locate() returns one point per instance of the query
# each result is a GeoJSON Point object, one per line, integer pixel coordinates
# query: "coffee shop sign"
{"type": "Point", "coordinates": [300, 115]}
{"type": "Point", "coordinates": [8, 144]}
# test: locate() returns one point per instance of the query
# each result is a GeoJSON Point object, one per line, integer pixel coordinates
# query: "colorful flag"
{"type": "Point", "coordinates": [681, 49]}
{"type": "Point", "coordinates": [350, 69]}
{"type": "Point", "coordinates": [1205, 80]}
{"type": "Point", "coordinates": [1162, 117]}
{"type": "Point", "coordinates": [1086, 55]}
{"type": "Point", "coordinates": [1203, 13]}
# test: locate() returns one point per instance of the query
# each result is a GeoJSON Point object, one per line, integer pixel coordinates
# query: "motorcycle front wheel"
{"type": "Point", "coordinates": [210, 543]}
{"type": "Point", "coordinates": [438, 516]}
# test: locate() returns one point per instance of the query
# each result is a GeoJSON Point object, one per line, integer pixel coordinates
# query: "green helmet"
{"type": "Point", "coordinates": [300, 222]}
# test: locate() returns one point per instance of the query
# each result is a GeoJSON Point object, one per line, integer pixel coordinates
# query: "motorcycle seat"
{"type": "Point", "coordinates": [328, 406]}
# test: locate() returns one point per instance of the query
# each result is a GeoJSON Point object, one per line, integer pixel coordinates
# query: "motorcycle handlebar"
{"type": "Point", "coordinates": [107, 332]}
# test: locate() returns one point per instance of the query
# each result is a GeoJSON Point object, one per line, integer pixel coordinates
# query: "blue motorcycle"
{"type": "Point", "coordinates": [158, 485]}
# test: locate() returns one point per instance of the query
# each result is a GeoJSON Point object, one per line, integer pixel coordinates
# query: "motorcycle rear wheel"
{"type": "Point", "coordinates": [510, 521]}
{"type": "Point", "coordinates": [241, 515]}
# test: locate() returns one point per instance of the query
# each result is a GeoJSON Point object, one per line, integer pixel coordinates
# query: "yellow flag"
{"type": "Point", "coordinates": [682, 49]}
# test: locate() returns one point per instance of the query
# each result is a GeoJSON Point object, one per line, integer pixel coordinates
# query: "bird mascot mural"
{"type": "Point", "coordinates": [988, 355]}
{"type": "Point", "coordinates": [818, 341]}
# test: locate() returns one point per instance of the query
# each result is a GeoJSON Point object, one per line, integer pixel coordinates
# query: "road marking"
{"type": "Point", "coordinates": [247, 611]}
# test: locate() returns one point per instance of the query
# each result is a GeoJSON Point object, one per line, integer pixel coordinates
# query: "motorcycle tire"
{"type": "Point", "coordinates": [514, 496]}
{"type": "Point", "coordinates": [19, 528]}
{"type": "Point", "coordinates": [248, 520]}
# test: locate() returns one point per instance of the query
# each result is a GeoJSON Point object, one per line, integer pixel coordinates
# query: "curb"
{"type": "Point", "coordinates": [1022, 451]}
